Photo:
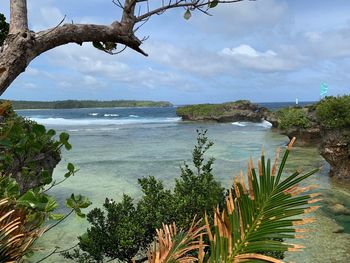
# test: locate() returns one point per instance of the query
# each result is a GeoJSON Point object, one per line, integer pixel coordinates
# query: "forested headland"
{"type": "Point", "coordinates": [73, 104]}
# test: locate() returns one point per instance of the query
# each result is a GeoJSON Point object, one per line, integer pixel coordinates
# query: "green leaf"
{"type": "Point", "coordinates": [39, 129]}
{"type": "Point", "coordinates": [56, 216]}
{"type": "Point", "coordinates": [77, 202]}
{"type": "Point", "coordinates": [35, 200]}
{"type": "Point", "coordinates": [187, 14]}
{"type": "Point", "coordinates": [51, 132]}
{"type": "Point", "coordinates": [70, 167]}
{"type": "Point", "coordinates": [213, 3]}
{"type": "Point", "coordinates": [68, 146]}
{"type": "Point", "coordinates": [64, 137]}
{"type": "Point", "coordinates": [46, 177]}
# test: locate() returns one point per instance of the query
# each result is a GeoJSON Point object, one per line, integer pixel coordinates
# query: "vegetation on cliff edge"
{"type": "Point", "coordinates": [334, 112]}
{"type": "Point", "coordinates": [292, 117]}
{"type": "Point", "coordinates": [212, 110]}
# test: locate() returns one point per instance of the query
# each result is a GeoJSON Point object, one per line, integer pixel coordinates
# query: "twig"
{"type": "Point", "coordinates": [56, 252]}
{"type": "Point", "coordinates": [59, 221]}
{"type": "Point", "coordinates": [60, 23]}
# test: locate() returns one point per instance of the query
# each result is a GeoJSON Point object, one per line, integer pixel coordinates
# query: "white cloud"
{"type": "Point", "coordinates": [268, 61]}
{"type": "Point", "coordinates": [247, 51]}
{"type": "Point", "coordinates": [43, 14]}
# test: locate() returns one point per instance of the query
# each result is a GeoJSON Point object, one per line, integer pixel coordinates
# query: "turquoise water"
{"type": "Point", "coordinates": [114, 147]}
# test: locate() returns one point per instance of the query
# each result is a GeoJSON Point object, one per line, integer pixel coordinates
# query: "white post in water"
{"type": "Point", "coordinates": [296, 101]}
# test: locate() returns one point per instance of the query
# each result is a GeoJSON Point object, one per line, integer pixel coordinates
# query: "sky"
{"type": "Point", "coordinates": [264, 51]}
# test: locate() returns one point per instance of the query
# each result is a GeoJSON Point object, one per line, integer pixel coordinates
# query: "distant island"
{"type": "Point", "coordinates": [74, 104]}
{"type": "Point", "coordinates": [241, 110]}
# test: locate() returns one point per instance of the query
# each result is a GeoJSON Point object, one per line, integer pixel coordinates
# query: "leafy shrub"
{"type": "Point", "coordinates": [125, 229]}
{"type": "Point", "coordinates": [28, 155]}
{"type": "Point", "coordinates": [28, 151]}
{"type": "Point", "coordinates": [334, 112]}
{"type": "Point", "coordinates": [292, 117]}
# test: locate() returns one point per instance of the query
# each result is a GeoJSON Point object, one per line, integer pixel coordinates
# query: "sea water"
{"type": "Point", "coordinates": [113, 147]}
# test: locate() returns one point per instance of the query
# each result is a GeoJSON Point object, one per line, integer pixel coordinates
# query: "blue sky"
{"type": "Point", "coordinates": [264, 50]}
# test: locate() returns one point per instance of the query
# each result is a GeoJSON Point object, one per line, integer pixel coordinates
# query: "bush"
{"type": "Point", "coordinates": [334, 112]}
{"type": "Point", "coordinates": [126, 228]}
{"type": "Point", "coordinates": [292, 117]}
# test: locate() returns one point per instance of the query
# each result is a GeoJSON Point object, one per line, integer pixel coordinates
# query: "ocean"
{"type": "Point", "coordinates": [113, 147]}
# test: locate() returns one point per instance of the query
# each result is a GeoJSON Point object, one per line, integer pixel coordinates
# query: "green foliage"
{"type": "Point", "coordinates": [117, 234]}
{"type": "Point", "coordinates": [72, 104]}
{"type": "Point", "coordinates": [131, 228]}
{"type": "Point", "coordinates": [334, 112]}
{"type": "Point", "coordinates": [4, 29]}
{"type": "Point", "coordinates": [197, 191]}
{"type": "Point", "coordinates": [28, 151]}
{"type": "Point", "coordinates": [292, 117]}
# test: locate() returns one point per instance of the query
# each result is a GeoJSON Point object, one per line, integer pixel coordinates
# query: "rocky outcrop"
{"type": "Point", "coordinates": [305, 137]}
{"type": "Point", "coordinates": [335, 148]}
{"type": "Point", "coordinates": [226, 112]}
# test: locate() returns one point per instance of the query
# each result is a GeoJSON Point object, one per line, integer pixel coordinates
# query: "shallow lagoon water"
{"type": "Point", "coordinates": [115, 147]}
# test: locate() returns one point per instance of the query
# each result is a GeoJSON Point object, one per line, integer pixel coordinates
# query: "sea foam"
{"type": "Point", "coordinates": [85, 122]}
{"type": "Point", "coordinates": [264, 124]}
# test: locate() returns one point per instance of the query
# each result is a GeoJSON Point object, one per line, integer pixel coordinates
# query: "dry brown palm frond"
{"type": "Point", "coordinates": [175, 246]}
{"type": "Point", "coordinates": [16, 233]}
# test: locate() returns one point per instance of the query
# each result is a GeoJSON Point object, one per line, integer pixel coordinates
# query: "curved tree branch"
{"type": "Point", "coordinates": [80, 33]}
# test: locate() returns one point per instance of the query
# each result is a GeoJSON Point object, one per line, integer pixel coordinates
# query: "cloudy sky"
{"type": "Point", "coordinates": [264, 50]}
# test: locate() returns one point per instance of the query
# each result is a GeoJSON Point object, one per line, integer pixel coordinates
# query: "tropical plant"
{"type": "Point", "coordinates": [174, 246]}
{"type": "Point", "coordinates": [16, 233]}
{"type": "Point", "coordinates": [334, 112]}
{"type": "Point", "coordinates": [268, 208]}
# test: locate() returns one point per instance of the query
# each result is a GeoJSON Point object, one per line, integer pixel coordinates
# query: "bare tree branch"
{"type": "Point", "coordinates": [193, 5]}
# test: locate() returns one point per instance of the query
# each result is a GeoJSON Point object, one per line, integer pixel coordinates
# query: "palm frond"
{"type": "Point", "coordinates": [175, 246]}
{"type": "Point", "coordinates": [16, 235]}
{"type": "Point", "coordinates": [257, 215]}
